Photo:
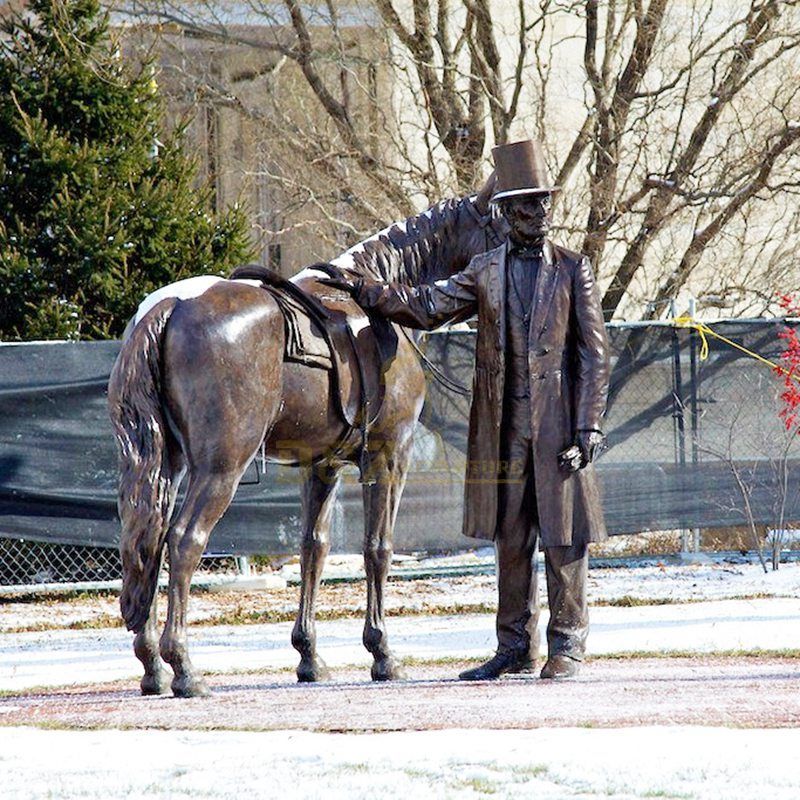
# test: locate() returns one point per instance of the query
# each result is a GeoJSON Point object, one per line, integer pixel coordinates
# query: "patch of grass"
{"type": "Point", "coordinates": [631, 601]}
{"type": "Point", "coordinates": [241, 616]}
{"type": "Point", "coordinates": [443, 661]}
{"type": "Point", "coordinates": [533, 771]}
{"type": "Point", "coordinates": [787, 652]}
{"type": "Point", "coordinates": [480, 785]}
{"type": "Point", "coordinates": [110, 724]}
{"type": "Point", "coordinates": [11, 693]}
{"type": "Point", "coordinates": [255, 670]}
{"type": "Point", "coordinates": [360, 767]}
{"type": "Point", "coordinates": [416, 772]}
{"type": "Point", "coordinates": [667, 794]}
{"type": "Point", "coordinates": [53, 725]}
{"type": "Point", "coordinates": [101, 621]}
{"type": "Point", "coordinates": [65, 596]}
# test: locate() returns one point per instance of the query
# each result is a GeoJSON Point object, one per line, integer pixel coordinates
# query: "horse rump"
{"type": "Point", "coordinates": [137, 416]}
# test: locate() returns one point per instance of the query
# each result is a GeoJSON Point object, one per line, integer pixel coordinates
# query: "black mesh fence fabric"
{"type": "Point", "coordinates": [693, 444]}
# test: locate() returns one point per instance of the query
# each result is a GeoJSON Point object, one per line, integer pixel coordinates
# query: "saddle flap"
{"type": "Point", "coordinates": [363, 347]}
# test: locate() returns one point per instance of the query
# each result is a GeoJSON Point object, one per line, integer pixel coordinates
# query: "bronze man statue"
{"type": "Point", "coordinates": [541, 381]}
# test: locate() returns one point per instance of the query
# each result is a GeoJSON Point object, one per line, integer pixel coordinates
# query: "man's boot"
{"type": "Point", "coordinates": [559, 667]}
{"type": "Point", "coordinates": [503, 662]}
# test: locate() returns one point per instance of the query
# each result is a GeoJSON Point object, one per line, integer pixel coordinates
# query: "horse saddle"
{"type": "Point", "coordinates": [357, 347]}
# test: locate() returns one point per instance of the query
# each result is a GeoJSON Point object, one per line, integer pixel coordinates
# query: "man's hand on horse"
{"type": "Point", "coordinates": [344, 281]}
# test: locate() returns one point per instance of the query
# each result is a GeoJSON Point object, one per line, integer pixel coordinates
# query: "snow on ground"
{"type": "Point", "coordinates": [711, 577]}
{"type": "Point", "coordinates": [657, 584]}
{"type": "Point", "coordinates": [716, 624]}
{"type": "Point", "coordinates": [689, 582]}
{"type": "Point", "coordinates": [628, 763]}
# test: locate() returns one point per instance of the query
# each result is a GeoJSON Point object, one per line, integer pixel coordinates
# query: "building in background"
{"type": "Point", "coordinates": [251, 120]}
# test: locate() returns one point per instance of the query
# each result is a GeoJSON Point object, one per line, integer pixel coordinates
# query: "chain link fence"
{"type": "Point", "coordinates": [44, 564]}
{"type": "Point", "coordinates": [679, 429]}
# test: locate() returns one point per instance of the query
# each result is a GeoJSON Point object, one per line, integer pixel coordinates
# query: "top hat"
{"type": "Point", "coordinates": [521, 170]}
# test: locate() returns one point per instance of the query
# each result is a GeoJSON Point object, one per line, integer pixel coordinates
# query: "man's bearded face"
{"type": "Point", "coordinates": [528, 216]}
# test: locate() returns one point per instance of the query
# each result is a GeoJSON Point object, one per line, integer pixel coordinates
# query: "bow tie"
{"type": "Point", "coordinates": [527, 252]}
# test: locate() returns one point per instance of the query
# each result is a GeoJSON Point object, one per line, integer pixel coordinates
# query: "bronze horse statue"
{"type": "Point", "coordinates": [201, 385]}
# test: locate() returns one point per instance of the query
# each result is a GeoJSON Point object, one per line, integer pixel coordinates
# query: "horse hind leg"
{"type": "Point", "coordinates": [156, 680]}
{"type": "Point", "coordinates": [207, 498]}
{"type": "Point", "coordinates": [381, 501]}
{"type": "Point", "coordinates": [222, 368]}
{"type": "Point", "coordinates": [319, 490]}
{"type": "Point", "coordinates": [145, 645]}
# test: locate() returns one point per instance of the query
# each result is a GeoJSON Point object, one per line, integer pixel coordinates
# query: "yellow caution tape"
{"type": "Point", "coordinates": [686, 321]}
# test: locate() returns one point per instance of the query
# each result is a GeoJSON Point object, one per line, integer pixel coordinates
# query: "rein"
{"type": "Point", "coordinates": [484, 221]}
{"type": "Point", "coordinates": [439, 376]}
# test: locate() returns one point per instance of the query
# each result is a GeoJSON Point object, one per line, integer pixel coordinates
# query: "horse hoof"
{"type": "Point", "coordinates": [387, 669]}
{"type": "Point", "coordinates": [189, 686]}
{"type": "Point", "coordinates": [155, 684]}
{"type": "Point", "coordinates": [313, 671]}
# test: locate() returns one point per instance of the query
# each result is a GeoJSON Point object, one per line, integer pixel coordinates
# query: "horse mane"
{"type": "Point", "coordinates": [408, 252]}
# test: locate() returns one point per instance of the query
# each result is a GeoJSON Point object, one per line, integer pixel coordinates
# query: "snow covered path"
{"type": "Point", "coordinates": [57, 658]}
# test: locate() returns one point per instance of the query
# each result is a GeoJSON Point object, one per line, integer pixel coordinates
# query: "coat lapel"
{"type": "Point", "coordinates": [543, 291]}
{"type": "Point", "coordinates": [497, 290]}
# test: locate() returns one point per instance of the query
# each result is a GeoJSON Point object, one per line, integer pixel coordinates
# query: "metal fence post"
{"type": "Point", "coordinates": [679, 423]}
{"type": "Point", "coordinates": [243, 566]}
{"type": "Point", "coordinates": [694, 388]}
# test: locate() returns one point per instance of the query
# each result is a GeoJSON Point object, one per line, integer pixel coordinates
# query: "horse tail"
{"type": "Point", "coordinates": [134, 401]}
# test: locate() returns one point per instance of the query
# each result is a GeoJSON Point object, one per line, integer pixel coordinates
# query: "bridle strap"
{"type": "Point", "coordinates": [484, 221]}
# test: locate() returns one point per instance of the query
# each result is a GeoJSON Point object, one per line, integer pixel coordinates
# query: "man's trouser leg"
{"type": "Point", "coordinates": [517, 586]}
{"type": "Point", "coordinates": [566, 569]}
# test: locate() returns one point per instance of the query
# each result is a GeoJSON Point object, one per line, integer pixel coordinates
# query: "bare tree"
{"type": "Point", "coordinates": [378, 105]}
{"type": "Point", "coordinates": [672, 126]}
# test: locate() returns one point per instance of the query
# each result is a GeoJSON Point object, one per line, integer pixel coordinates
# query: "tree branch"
{"type": "Point", "coordinates": [701, 238]}
{"type": "Point", "coordinates": [759, 19]}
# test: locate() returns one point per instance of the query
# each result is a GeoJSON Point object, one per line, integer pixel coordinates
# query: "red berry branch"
{"type": "Point", "coordinates": [789, 371]}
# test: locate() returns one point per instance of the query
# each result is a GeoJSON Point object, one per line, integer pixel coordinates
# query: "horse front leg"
{"type": "Point", "coordinates": [381, 501]}
{"type": "Point", "coordinates": [319, 490]}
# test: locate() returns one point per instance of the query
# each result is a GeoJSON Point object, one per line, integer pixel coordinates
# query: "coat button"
{"type": "Point", "coordinates": [542, 351]}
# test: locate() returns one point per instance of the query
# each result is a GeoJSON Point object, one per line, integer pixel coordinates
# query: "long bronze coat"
{"type": "Point", "coordinates": [568, 371]}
